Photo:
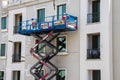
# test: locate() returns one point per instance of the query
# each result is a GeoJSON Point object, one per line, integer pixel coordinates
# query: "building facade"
{"type": "Point", "coordinates": [17, 56]}
{"type": "Point", "coordinates": [96, 40]}
{"type": "Point", "coordinates": [90, 53]}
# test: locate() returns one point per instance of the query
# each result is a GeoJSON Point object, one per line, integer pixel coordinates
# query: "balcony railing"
{"type": "Point", "coordinates": [16, 58]}
{"type": "Point", "coordinates": [93, 54]}
{"type": "Point", "coordinates": [93, 17]}
{"type": "Point", "coordinates": [15, 29]}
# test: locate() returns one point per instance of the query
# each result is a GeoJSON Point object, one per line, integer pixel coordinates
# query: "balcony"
{"type": "Point", "coordinates": [16, 58]}
{"type": "Point", "coordinates": [93, 54]}
{"type": "Point", "coordinates": [93, 17]}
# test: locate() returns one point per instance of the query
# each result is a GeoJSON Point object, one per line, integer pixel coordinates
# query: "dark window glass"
{"type": "Point", "coordinates": [41, 15]}
{"type": "Point", "coordinates": [3, 24]}
{"type": "Point", "coordinates": [96, 75]}
{"type": "Point", "coordinates": [1, 75]}
{"type": "Point", "coordinates": [61, 43]}
{"type": "Point", "coordinates": [3, 48]}
{"type": "Point", "coordinates": [61, 75]}
{"type": "Point", "coordinates": [17, 52]}
{"type": "Point", "coordinates": [61, 9]}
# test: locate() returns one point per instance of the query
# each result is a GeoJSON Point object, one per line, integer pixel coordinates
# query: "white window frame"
{"type": "Point", "coordinates": [42, 7]}
{"type": "Point", "coordinates": [61, 3]}
{"type": "Point", "coordinates": [89, 10]}
{"type": "Point", "coordinates": [3, 57]}
{"type": "Point", "coordinates": [57, 3]}
{"type": "Point", "coordinates": [17, 21]}
{"type": "Point", "coordinates": [62, 53]}
{"type": "Point", "coordinates": [4, 30]}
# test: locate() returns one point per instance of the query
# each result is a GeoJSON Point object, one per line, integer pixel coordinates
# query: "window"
{"type": "Point", "coordinates": [94, 75]}
{"type": "Point", "coordinates": [61, 43]}
{"type": "Point", "coordinates": [41, 15]}
{"type": "Point", "coordinates": [16, 75]}
{"type": "Point", "coordinates": [93, 11]}
{"type": "Point", "coordinates": [3, 49]}
{"type": "Point", "coordinates": [3, 23]}
{"type": "Point", "coordinates": [93, 51]}
{"type": "Point", "coordinates": [61, 75]}
{"type": "Point", "coordinates": [61, 9]}
{"type": "Point", "coordinates": [40, 49]}
{"type": "Point", "coordinates": [39, 73]}
{"type": "Point", "coordinates": [17, 52]}
{"type": "Point", "coordinates": [1, 75]}
{"type": "Point", "coordinates": [18, 19]}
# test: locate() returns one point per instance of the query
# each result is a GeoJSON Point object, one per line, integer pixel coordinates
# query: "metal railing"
{"type": "Point", "coordinates": [49, 23]}
{"type": "Point", "coordinates": [93, 54]}
{"type": "Point", "coordinates": [93, 17]}
{"type": "Point", "coordinates": [16, 57]}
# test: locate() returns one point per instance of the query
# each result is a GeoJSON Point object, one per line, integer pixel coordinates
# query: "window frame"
{"type": "Point", "coordinates": [18, 74]}
{"type": "Point", "coordinates": [43, 8]}
{"type": "Point", "coordinates": [3, 74]}
{"type": "Point", "coordinates": [66, 51]}
{"type": "Point", "coordinates": [17, 18]}
{"type": "Point", "coordinates": [90, 14]}
{"type": "Point", "coordinates": [5, 24]}
{"type": "Point", "coordinates": [4, 51]}
{"type": "Point", "coordinates": [42, 53]}
{"type": "Point", "coordinates": [57, 9]}
{"type": "Point", "coordinates": [91, 74]}
{"type": "Point", "coordinates": [90, 49]}
{"type": "Point", "coordinates": [18, 46]}
{"type": "Point", "coordinates": [65, 72]}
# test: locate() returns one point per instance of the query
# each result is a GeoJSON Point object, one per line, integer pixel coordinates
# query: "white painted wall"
{"type": "Point", "coordinates": [15, 38]}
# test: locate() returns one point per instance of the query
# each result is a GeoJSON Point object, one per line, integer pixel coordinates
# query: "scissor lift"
{"type": "Point", "coordinates": [51, 28]}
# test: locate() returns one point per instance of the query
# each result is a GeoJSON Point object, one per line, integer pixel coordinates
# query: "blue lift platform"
{"type": "Point", "coordinates": [55, 23]}
{"type": "Point", "coordinates": [51, 27]}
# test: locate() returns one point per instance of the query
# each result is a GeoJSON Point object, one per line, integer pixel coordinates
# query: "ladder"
{"type": "Point", "coordinates": [44, 61]}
